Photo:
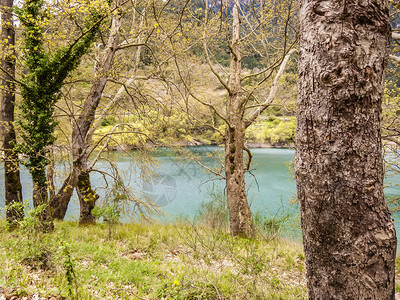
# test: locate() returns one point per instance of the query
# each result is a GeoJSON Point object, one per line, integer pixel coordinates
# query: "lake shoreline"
{"type": "Point", "coordinates": [198, 143]}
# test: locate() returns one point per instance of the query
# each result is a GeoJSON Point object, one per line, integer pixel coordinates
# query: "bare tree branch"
{"type": "Point", "coordinates": [12, 77]}
{"type": "Point", "coordinates": [250, 158]}
{"type": "Point", "coordinates": [195, 97]}
{"type": "Point", "coordinates": [392, 139]}
{"type": "Point", "coordinates": [125, 45]}
{"type": "Point", "coordinates": [272, 92]}
{"type": "Point", "coordinates": [109, 136]}
{"type": "Point", "coordinates": [209, 62]}
{"type": "Point", "coordinates": [394, 57]}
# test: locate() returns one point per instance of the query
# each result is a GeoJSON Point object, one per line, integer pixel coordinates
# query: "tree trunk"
{"type": "Point", "coordinates": [59, 203]}
{"type": "Point", "coordinates": [80, 142]}
{"type": "Point", "coordinates": [79, 176]}
{"type": "Point", "coordinates": [41, 202]}
{"type": "Point", "coordinates": [13, 187]}
{"type": "Point", "coordinates": [348, 233]}
{"type": "Point", "coordinates": [50, 175]}
{"type": "Point", "coordinates": [87, 196]}
{"type": "Point", "coordinates": [87, 199]}
{"type": "Point", "coordinates": [240, 217]}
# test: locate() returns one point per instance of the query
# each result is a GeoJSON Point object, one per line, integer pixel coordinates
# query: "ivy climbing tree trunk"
{"type": "Point", "coordinates": [40, 90]}
{"type": "Point", "coordinates": [348, 233]}
{"type": "Point", "coordinates": [240, 216]}
{"type": "Point", "coordinates": [12, 183]}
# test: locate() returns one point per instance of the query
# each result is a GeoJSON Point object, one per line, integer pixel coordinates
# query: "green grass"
{"type": "Point", "coordinates": [397, 280]}
{"type": "Point", "coordinates": [152, 261]}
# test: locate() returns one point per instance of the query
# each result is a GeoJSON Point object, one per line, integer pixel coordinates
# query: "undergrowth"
{"type": "Point", "coordinates": [148, 261]}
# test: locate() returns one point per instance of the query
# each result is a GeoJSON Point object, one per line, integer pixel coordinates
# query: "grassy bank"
{"type": "Point", "coordinates": [148, 261]}
{"type": "Point", "coordinates": [154, 261]}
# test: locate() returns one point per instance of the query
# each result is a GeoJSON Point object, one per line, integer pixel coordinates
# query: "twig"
{"type": "Point", "coordinates": [250, 158]}
{"type": "Point", "coordinates": [394, 57]}
{"type": "Point", "coordinates": [13, 78]}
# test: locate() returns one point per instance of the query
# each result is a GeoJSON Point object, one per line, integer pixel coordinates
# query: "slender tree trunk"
{"type": "Point", "coordinates": [87, 196]}
{"type": "Point", "coordinates": [41, 201]}
{"type": "Point", "coordinates": [79, 176]}
{"type": "Point", "coordinates": [240, 217]}
{"type": "Point", "coordinates": [80, 142]}
{"type": "Point", "coordinates": [50, 175]}
{"type": "Point", "coordinates": [13, 187]}
{"type": "Point", "coordinates": [59, 203]}
{"type": "Point", "coordinates": [348, 233]}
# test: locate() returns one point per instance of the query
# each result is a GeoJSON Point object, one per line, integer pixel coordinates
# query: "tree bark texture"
{"type": "Point", "coordinates": [41, 203]}
{"type": "Point", "coordinates": [240, 217]}
{"type": "Point", "coordinates": [13, 187]}
{"type": "Point", "coordinates": [79, 176]}
{"type": "Point", "coordinates": [59, 203]}
{"type": "Point", "coordinates": [348, 233]}
{"type": "Point", "coordinates": [87, 198]}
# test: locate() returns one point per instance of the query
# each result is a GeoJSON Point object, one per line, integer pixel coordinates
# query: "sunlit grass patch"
{"type": "Point", "coordinates": [152, 261]}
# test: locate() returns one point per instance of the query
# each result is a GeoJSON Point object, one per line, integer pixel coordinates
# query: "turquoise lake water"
{"type": "Point", "coordinates": [180, 186]}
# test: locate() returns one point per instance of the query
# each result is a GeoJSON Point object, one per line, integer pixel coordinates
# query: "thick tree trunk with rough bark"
{"type": "Point", "coordinates": [13, 187]}
{"type": "Point", "coordinates": [348, 233]}
{"type": "Point", "coordinates": [240, 217]}
{"type": "Point", "coordinates": [79, 176]}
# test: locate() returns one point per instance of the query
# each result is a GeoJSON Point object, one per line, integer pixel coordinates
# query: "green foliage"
{"type": "Point", "coordinates": [42, 82]}
{"type": "Point", "coordinates": [18, 209]}
{"type": "Point", "coordinates": [69, 272]}
{"type": "Point", "coordinates": [397, 287]}
{"type": "Point", "coordinates": [111, 210]}
{"type": "Point", "coordinates": [38, 254]}
{"type": "Point", "coordinates": [30, 224]}
{"type": "Point", "coordinates": [272, 226]}
{"type": "Point", "coordinates": [214, 213]}
{"type": "Point", "coordinates": [35, 249]}
{"type": "Point", "coordinates": [108, 121]}
{"type": "Point", "coordinates": [110, 213]}
{"type": "Point", "coordinates": [276, 130]}
{"type": "Point", "coordinates": [251, 62]}
{"type": "Point", "coordinates": [160, 126]}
